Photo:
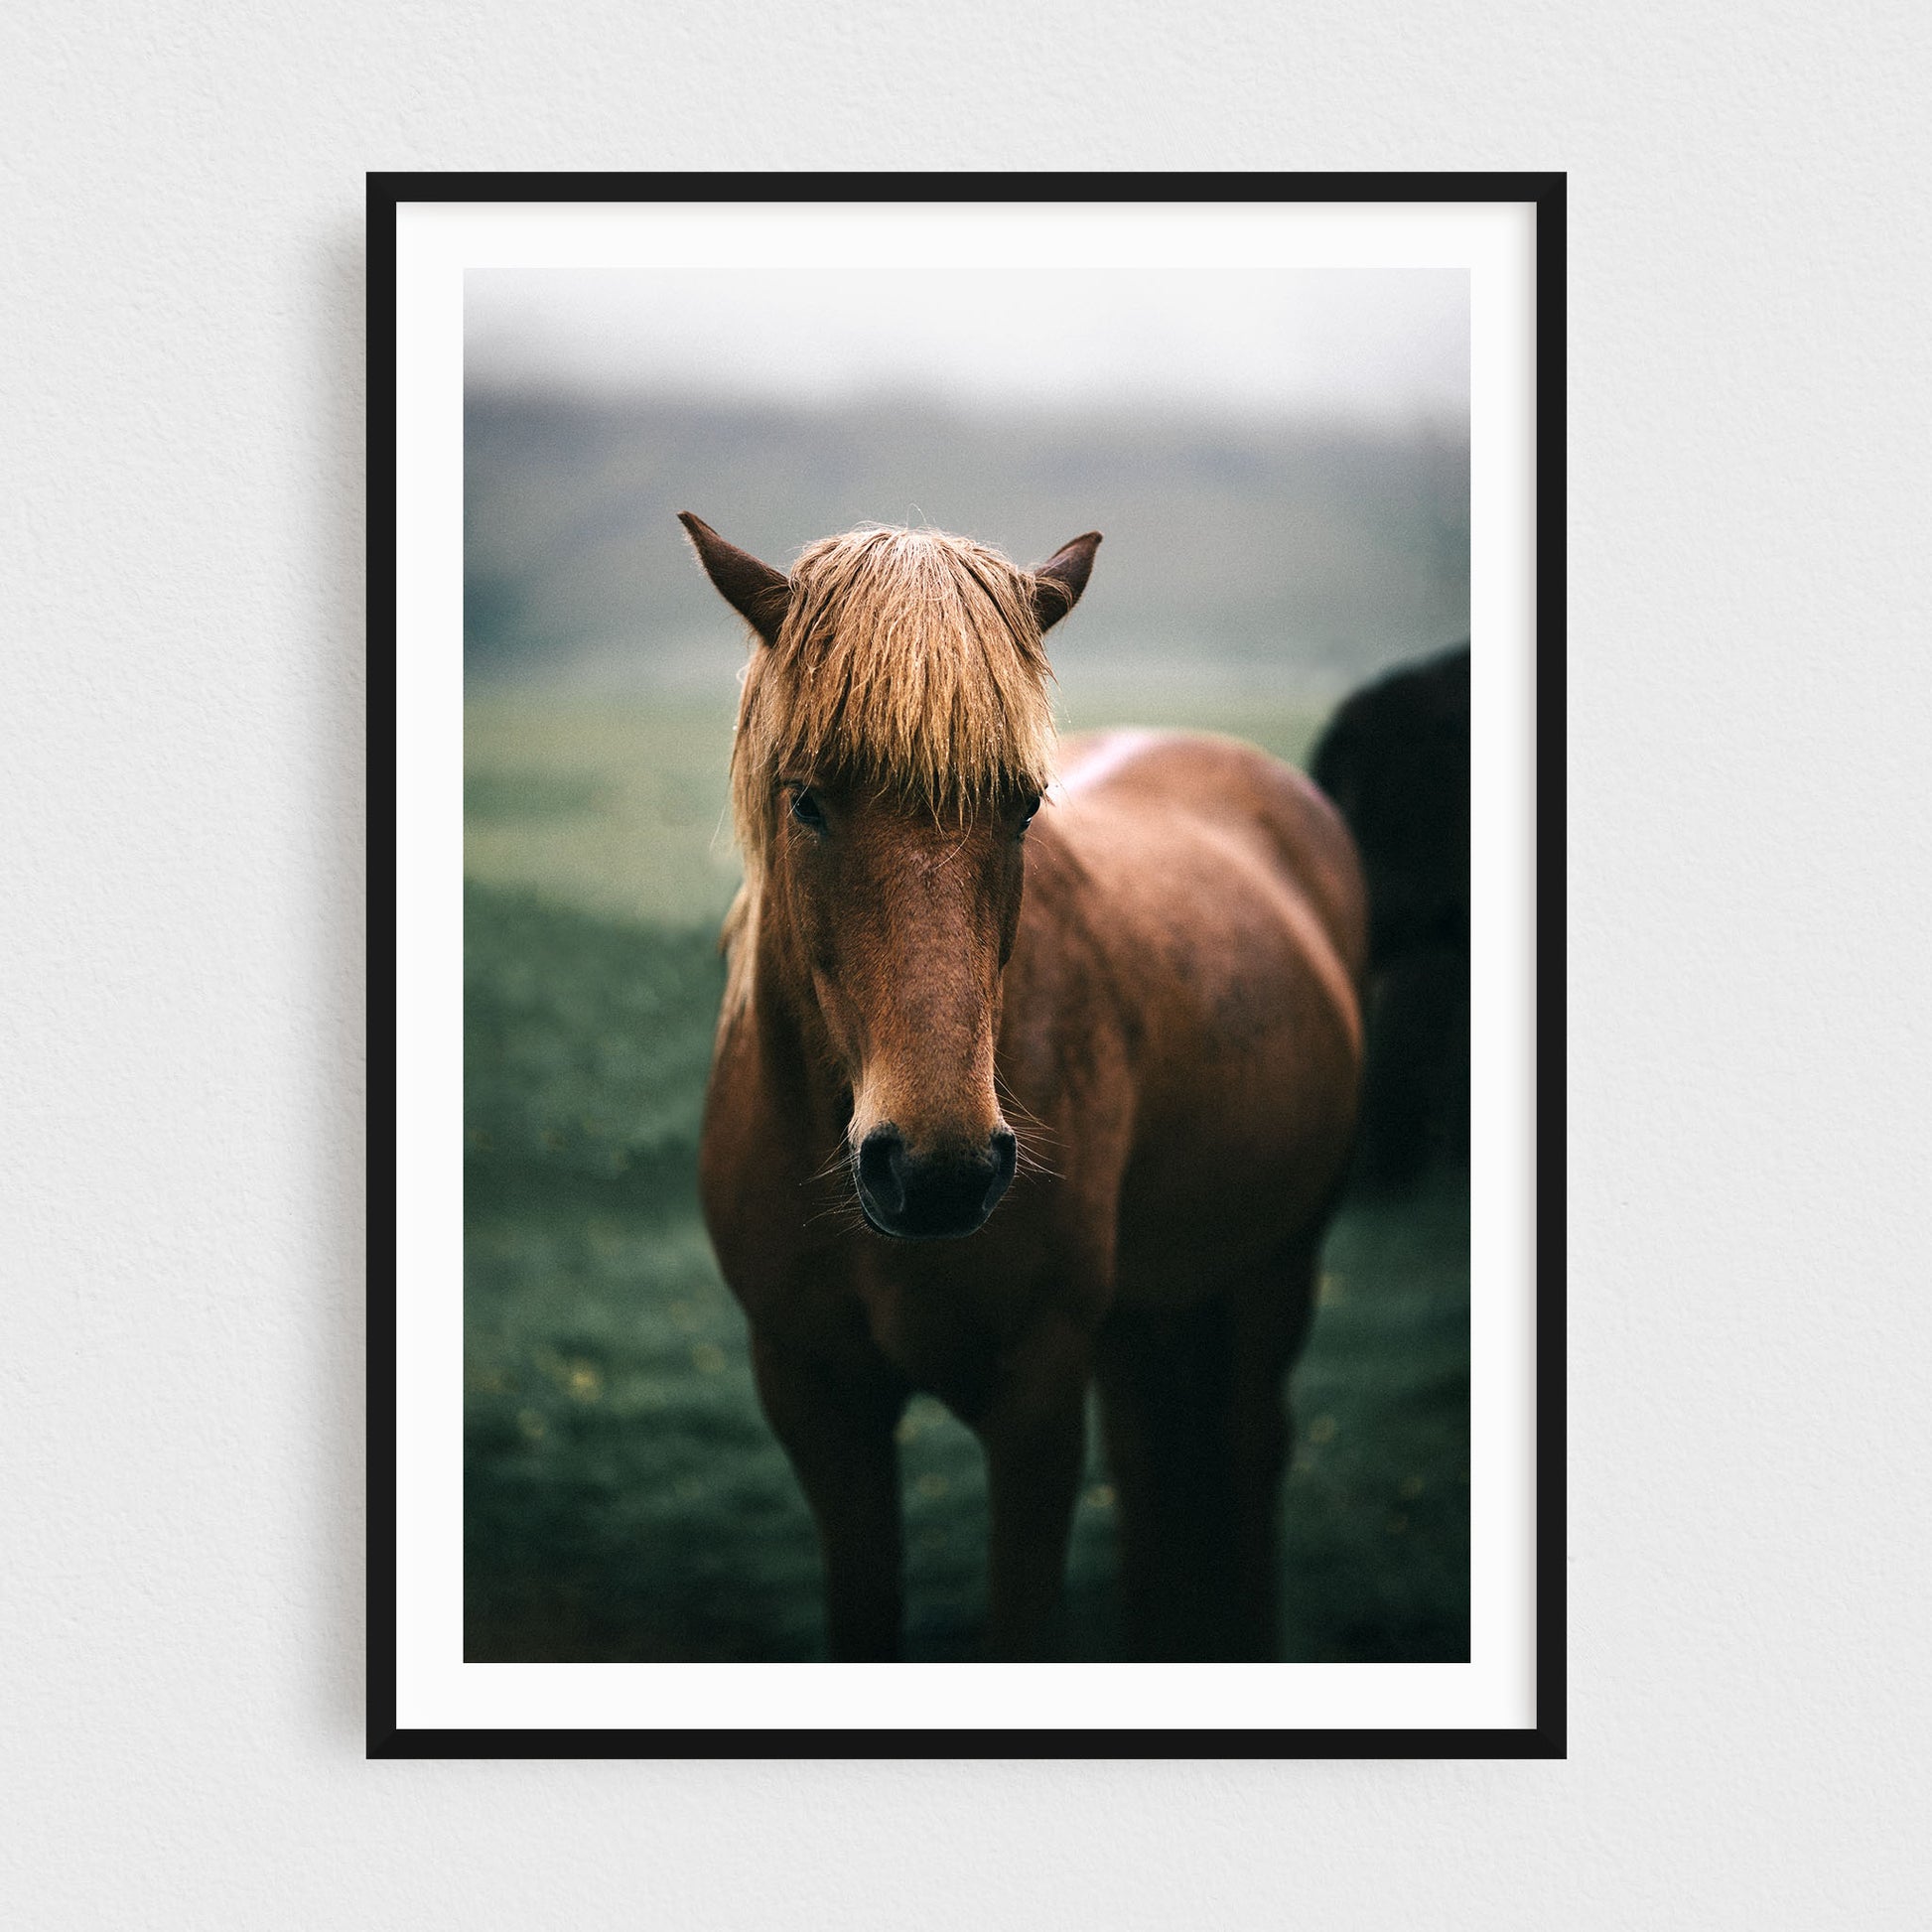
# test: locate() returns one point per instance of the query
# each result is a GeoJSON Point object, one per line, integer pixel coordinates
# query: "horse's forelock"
{"type": "Point", "coordinates": [908, 658]}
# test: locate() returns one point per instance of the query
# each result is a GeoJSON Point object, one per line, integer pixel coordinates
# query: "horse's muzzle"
{"type": "Point", "coordinates": [931, 1197]}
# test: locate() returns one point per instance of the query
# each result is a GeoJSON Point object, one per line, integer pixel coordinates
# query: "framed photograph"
{"type": "Point", "coordinates": [967, 978]}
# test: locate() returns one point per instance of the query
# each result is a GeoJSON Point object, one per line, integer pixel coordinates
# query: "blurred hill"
{"type": "Point", "coordinates": [1292, 558]}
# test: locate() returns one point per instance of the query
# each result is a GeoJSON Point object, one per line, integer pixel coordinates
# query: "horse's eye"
{"type": "Point", "coordinates": [807, 810]}
{"type": "Point", "coordinates": [1027, 817]}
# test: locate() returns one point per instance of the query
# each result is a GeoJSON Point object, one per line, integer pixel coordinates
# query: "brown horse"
{"type": "Point", "coordinates": [1128, 1024]}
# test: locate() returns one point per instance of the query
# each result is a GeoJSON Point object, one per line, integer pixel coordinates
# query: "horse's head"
{"type": "Point", "coordinates": [894, 740]}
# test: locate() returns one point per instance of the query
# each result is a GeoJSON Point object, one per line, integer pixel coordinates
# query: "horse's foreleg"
{"type": "Point", "coordinates": [1034, 1436]}
{"type": "Point", "coordinates": [838, 1431]}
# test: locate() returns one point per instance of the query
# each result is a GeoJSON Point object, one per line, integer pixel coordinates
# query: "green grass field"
{"type": "Point", "coordinates": [623, 1497]}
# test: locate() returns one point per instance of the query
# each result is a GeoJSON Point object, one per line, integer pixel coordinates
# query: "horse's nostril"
{"type": "Point", "coordinates": [936, 1195]}
{"type": "Point", "coordinates": [881, 1157]}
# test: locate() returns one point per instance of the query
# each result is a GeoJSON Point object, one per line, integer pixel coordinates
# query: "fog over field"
{"type": "Point", "coordinates": [1279, 462]}
{"type": "Point", "coordinates": [1296, 558]}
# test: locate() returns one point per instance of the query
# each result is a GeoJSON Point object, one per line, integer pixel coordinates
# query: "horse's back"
{"type": "Point", "coordinates": [1225, 789]}
{"type": "Point", "coordinates": [1237, 917]}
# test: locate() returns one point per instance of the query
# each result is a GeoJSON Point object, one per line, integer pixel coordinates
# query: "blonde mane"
{"type": "Point", "coordinates": [909, 659]}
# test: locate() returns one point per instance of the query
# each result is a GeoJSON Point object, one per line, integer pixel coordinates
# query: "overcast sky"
{"type": "Point", "coordinates": [1361, 343]}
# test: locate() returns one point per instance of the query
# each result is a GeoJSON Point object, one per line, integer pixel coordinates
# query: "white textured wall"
{"type": "Point", "coordinates": [180, 971]}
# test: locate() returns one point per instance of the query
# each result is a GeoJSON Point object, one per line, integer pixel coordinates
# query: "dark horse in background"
{"type": "Point", "coordinates": [1036, 1069]}
{"type": "Point", "coordinates": [1395, 759]}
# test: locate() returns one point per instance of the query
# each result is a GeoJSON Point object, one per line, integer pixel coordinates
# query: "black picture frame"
{"type": "Point", "coordinates": [1544, 191]}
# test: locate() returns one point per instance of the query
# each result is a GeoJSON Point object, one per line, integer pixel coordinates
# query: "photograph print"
{"type": "Point", "coordinates": [965, 930]}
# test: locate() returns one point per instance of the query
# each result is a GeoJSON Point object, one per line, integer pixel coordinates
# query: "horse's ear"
{"type": "Point", "coordinates": [758, 593]}
{"type": "Point", "coordinates": [1058, 581]}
